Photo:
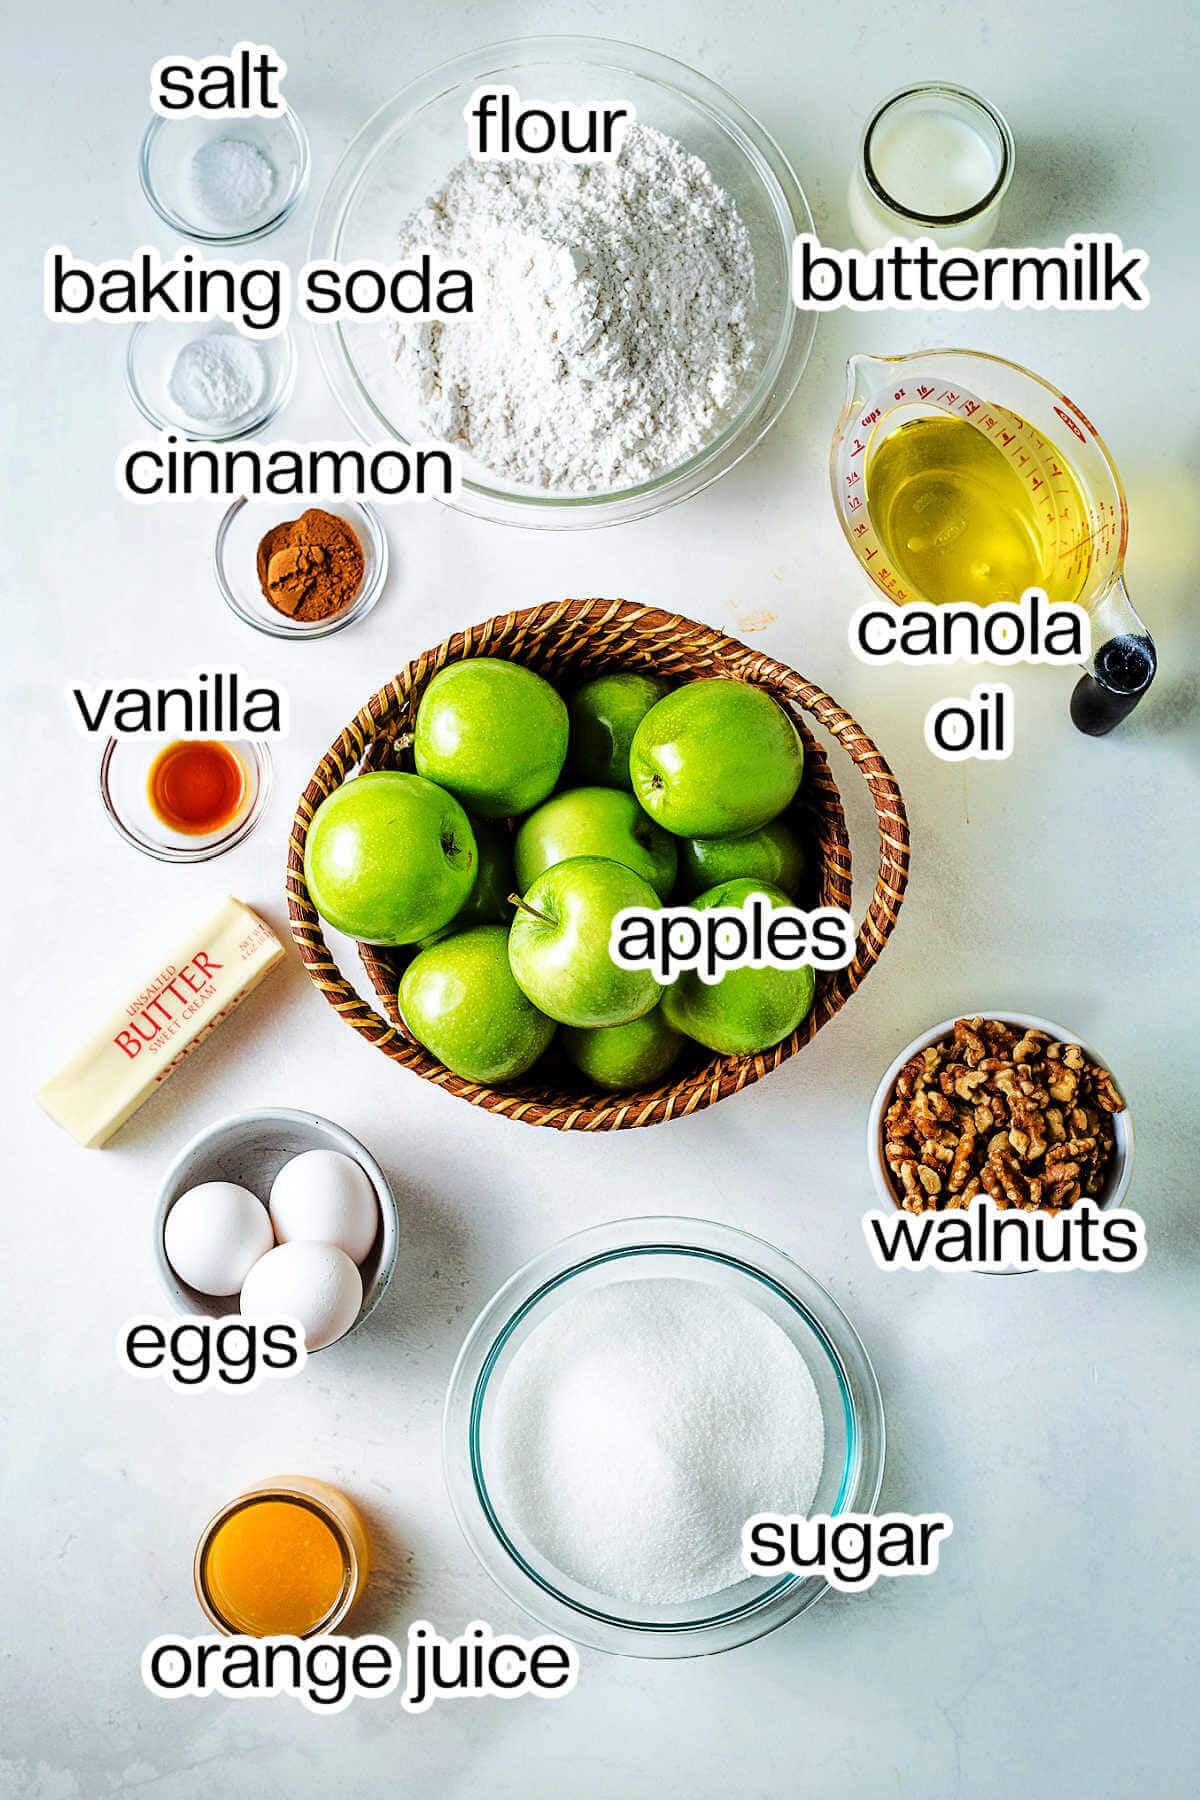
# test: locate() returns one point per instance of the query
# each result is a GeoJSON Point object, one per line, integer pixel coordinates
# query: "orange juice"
{"type": "Point", "coordinates": [286, 1560]}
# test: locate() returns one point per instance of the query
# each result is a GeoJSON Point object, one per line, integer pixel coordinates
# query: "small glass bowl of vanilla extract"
{"type": "Point", "coordinates": [185, 800]}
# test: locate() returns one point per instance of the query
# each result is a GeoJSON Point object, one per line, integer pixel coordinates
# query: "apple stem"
{"type": "Point", "coordinates": [516, 900]}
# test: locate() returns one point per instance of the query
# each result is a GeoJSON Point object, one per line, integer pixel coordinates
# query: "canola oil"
{"type": "Point", "coordinates": [961, 524]}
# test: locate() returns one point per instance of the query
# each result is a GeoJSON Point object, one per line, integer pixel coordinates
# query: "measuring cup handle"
{"type": "Point", "coordinates": [1124, 663]}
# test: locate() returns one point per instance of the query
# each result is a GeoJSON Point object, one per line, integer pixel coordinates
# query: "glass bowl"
{"type": "Point", "coordinates": [165, 170]}
{"type": "Point", "coordinates": [415, 139]}
{"type": "Point", "coordinates": [150, 359]}
{"type": "Point", "coordinates": [638, 1248]}
{"type": "Point", "coordinates": [124, 771]}
{"type": "Point", "coordinates": [250, 1149]}
{"type": "Point", "coordinates": [235, 559]}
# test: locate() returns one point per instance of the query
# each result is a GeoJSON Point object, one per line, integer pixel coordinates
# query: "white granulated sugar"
{"type": "Point", "coordinates": [640, 1426]}
{"type": "Point", "coordinates": [611, 336]}
{"type": "Point", "coordinates": [232, 180]}
{"type": "Point", "coordinates": [217, 378]}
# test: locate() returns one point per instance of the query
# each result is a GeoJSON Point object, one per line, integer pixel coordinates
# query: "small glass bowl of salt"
{"type": "Point", "coordinates": [228, 181]}
{"type": "Point", "coordinates": [208, 382]}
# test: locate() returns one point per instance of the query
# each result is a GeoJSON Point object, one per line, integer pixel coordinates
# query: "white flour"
{"type": "Point", "coordinates": [641, 1425]}
{"type": "Point", "coordinates": [613, 304]}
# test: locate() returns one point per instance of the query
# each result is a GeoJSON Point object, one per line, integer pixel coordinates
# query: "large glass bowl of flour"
{"type": "Point", "coordinates": [626, 1402]}
{"type": "Point", "coordinates": [402, 157]}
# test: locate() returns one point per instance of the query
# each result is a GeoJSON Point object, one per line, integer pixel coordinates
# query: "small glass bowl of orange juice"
{"type": "Point", "coordinates": [287, 1559]}
{"type": "Point", "coordinates": [185, 799]}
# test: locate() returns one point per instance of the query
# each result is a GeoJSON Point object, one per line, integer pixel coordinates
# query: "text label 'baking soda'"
{"type": "Point", "coordinates": [1083, 1236]}
{"type": "Point", "coordinates": [755, 935]}
{"type": "Point", "coordinates": [327, 1673]}
{"type": "Point", "coordinates": [255, 297]}
{"type": "Point", "coordinates": [851, 1550]}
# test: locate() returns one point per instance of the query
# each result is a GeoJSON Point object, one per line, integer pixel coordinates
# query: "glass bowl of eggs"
{"type": "Point", "coordinates": [276, 1214]}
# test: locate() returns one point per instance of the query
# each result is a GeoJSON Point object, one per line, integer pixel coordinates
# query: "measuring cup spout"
{"type": "Point", "coordinates": [862, 381]}
{"type": "Point", "coordinates": [1123, 664]}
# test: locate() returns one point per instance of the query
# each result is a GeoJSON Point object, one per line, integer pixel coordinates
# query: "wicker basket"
{"type": "Point", "coordinates": [568, 642]}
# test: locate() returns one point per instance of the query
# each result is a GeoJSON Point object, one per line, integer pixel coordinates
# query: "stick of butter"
{"type": "Point", "coordinates": [146, 1037]}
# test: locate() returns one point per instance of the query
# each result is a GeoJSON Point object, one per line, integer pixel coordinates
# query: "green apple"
{"type": "Point", "coordinates": [493, 733]}
{"type": "Point", "coordinates": [715, 759]}
{"type": "Point", "coordinates": [748, 1009]}
{"type": "Point", "coordinates": [389, 858]}
{"type": "Point", "coordinates": [772, 853]}
{"type": "Point", "coordinates": [459, 999]}
{"type": "Point", "coordinates": [558, 944]}
{"type": "Point", "coordinates": [605, 713]}
{"type": "Point", "coordinates": [595, 821]}
{"type": "Point", "coordinates": [621, 1057]}
{"type": "Point", "coordinates": [488, 902]}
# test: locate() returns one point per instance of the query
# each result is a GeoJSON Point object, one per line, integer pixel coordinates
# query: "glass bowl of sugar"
{"type": "Point", "coordinates": [625, 1404]}
{"type": "Point", "coordinates": [224, 181]}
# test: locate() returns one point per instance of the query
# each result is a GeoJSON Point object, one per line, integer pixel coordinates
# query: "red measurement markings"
{"type": "Point", "coordinates": [1075, 408]}
{"type": "Point", "coordinates": [1100, 534]}
{"type": "Point", "coordinates": [1069, 422]}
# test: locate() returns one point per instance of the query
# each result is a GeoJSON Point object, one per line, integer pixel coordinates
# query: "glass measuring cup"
{"type": "Point", "coordinates": [1047, 440]}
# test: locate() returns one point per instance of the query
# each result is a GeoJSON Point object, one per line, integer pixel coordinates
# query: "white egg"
{"type": "Point", "coordinates": [323, 1197]}
{"type": "Point", "coordinates": [214, 1234]}
{"type": "Point", "coordinates": [315, 1283]}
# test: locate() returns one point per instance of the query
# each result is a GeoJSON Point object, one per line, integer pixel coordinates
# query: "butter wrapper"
{"type": "Point", "coordinates": [183, 998]}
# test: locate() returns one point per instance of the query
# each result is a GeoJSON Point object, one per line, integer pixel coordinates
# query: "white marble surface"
{"type": "Point", "coordinates": [1053, 1417]}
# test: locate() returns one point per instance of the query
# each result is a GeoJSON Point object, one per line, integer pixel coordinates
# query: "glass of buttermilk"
{"type": "Point", "coordinates": [935, 162]}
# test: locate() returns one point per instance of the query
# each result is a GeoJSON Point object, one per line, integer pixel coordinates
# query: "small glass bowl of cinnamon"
{"type": "Point", "coordinates": [255, 552]}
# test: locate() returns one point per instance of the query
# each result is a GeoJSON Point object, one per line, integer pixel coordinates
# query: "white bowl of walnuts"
{"type": "Point", "coordinates": [1002, 1105]}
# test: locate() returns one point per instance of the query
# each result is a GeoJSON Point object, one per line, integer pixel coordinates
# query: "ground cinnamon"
{"type": "Point", "coordinates": [311, 567]}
